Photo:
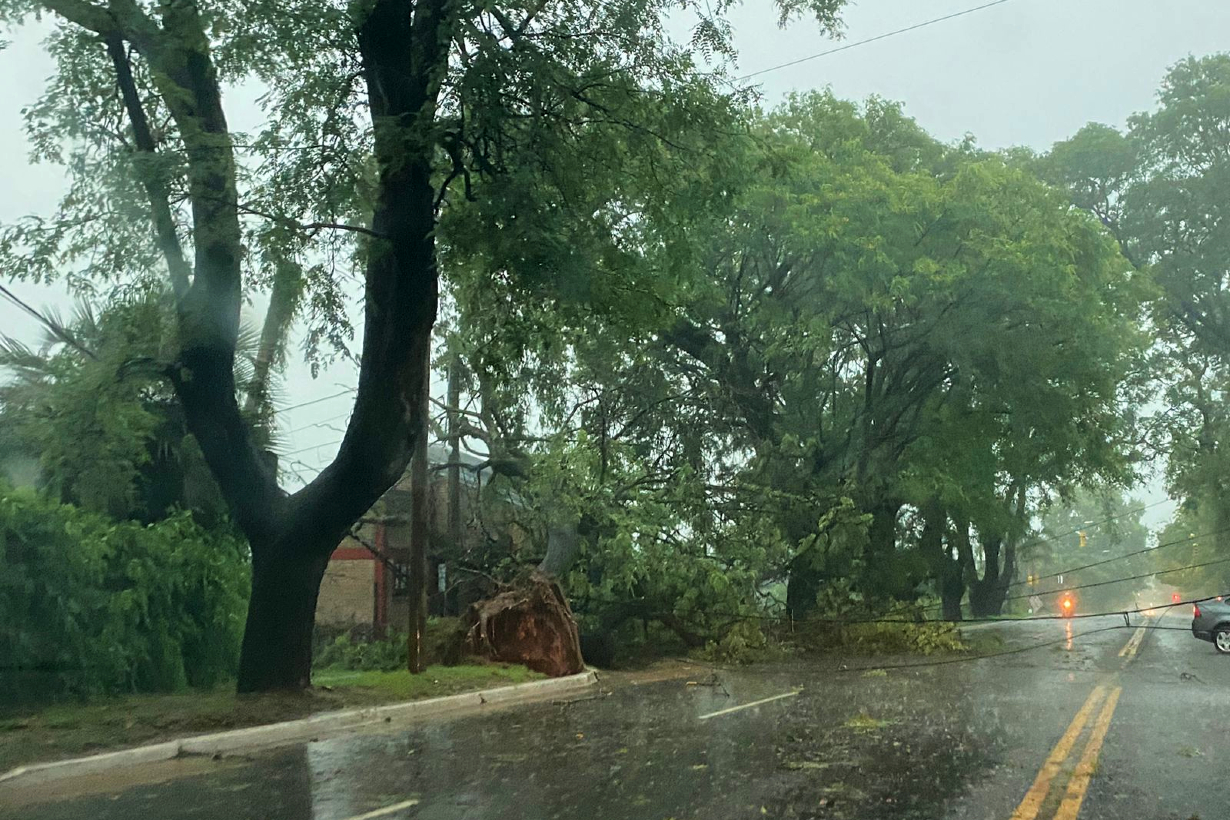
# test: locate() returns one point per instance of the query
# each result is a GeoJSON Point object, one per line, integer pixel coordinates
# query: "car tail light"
{"type": "Point", "coordinates": [1196, 612]}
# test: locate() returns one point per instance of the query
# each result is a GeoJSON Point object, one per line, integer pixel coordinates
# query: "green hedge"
{"type": "Point", "coordinates": [91, 606]}
{"type": "Point", "coordinates": [442, 644]}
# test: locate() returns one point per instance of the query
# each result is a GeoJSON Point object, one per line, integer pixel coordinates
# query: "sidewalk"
{"type": "Point", "coordinates": [310, 728]}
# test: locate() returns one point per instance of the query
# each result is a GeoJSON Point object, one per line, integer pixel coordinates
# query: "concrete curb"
{"type": "Point", "coordinates": [310, 728]}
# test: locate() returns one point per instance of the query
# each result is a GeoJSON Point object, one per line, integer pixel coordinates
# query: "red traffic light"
{"type": "Point", "coordinates": [1175, 597]}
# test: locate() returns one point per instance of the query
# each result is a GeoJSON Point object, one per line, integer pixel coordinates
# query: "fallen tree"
{"type": "Point", "coordinates": [527, 622]}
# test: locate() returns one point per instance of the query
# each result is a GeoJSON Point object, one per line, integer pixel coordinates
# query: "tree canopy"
{"type": "Point", "coordinates": [730, 361]}
{"type": "Point", "coordinates": [380, 116]}
{"type": "Point", "coordinates": [1158, 187]}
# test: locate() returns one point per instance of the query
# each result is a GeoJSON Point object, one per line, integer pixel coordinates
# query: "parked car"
{"type": "Point", "coordinates": [1211, 622]}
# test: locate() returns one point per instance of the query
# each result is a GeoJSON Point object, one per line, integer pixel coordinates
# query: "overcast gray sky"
{"type": "Point", "coordinates": [1026, 72]}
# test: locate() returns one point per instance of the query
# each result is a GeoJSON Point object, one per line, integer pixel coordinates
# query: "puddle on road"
{"type": "Point", "coordinates": [113, 782]}
{"type": "Point", "coordinates": [849, 745]}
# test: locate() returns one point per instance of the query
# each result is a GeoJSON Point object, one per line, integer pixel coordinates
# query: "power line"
{"type": "Point", "coordinates": [1021, 649]}
{"type": "Point", "coordinates": [311, 447]}
{"type": "Point", "coordinates": [877, 38]}
{"type": "Point", "coordinates": [1094, 524]}
{"type": "Point", "coordinates": [1119, 580]}
{"type": "Point", "coordinates": [320, 423]}
{"type": "Point", "coordinates": [1127, 555]}
{"type": "Point", "coordinates": [972, 658]}
{"type": "Point", "coordinates": [897, 619]}
{"type": "Point", "coordinates": [345, 392]}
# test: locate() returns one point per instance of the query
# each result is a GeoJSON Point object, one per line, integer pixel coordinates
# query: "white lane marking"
{"type": "Point", "coordinates": [405, 804]}
{"type": "Point", "coordinates": [747, 705]}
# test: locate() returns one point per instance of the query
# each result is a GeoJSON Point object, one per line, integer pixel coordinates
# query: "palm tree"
{"type": "Point", "coordinates": [92, 407]}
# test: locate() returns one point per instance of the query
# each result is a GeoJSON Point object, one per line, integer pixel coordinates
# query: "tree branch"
{"type": "Point", "coordinates": [60, 332]}
{"type": "Point", "coordinates": [404, 50]}
{"type": "Point", "coordinates": [307, 227]}
{"type": "Point", "coordinates": [155, 187]}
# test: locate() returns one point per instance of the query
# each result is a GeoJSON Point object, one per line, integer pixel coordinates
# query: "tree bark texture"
{"type": "Point", "coordinates": [277, 639]}
{"type": "Point", "coordinates": [802, 587]}
{"type": "Point", "coordinates": [563, 544]}
{"type": "Point", "coordinates": [419, 533]}
{"type": "Point", "coordinates": [945, 568]}
{"type": "Point", "coordinates": [884, 576]}
{"type": "Point", "coordinates": [987, 594]}
{"type": "Point", "coordinates": [455, 532]}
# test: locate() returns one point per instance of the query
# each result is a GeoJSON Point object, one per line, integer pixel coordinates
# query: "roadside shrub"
{"type": "Point", "coordinates": [892, 638]}
{"type": "Point", "coordinates": [92, 606]}
{"type": "Point", "coordinates": [745, 643]}
{"type": "Point", "coordinates": [380, 655]}
{"type": "Point", "coordinates": [899, 629]}
{"type": "Point", "coordinates": [357, 650]}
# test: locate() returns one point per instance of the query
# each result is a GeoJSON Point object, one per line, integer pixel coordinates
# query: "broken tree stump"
{"type": "Point", "coordinates": [528, 622]}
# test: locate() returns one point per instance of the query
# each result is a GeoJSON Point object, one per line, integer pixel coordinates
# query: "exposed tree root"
{"type": "Point", "coordinates": [530, 623]}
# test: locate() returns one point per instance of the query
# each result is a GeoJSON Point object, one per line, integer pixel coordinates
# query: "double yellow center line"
{"type": "Point", "coordinates": [1036, 796]}
{"type": "Point", "coordinates": [1105, 696]}
{"type": "Point", "coordinates": [1079, 784]}
{"type": "Point", "coordinates": [1130, 649]}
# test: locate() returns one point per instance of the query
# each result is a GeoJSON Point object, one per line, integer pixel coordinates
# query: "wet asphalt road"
{"type": "Point", "coordinates": [960, 741]}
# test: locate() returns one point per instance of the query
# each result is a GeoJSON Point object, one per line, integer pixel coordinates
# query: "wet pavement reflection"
{"type": "Point", "coordinates": [959, 741]}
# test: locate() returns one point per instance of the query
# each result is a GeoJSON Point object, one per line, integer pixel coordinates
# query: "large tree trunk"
{"type": "Point", "coordinates": [563, 544]}
{"type": "Point", "coordinates": [453, 405]}
{"type": "Point", "coordinates": [884, 578]}
{"type": "Point", "coordinates": [277, 639]}
{"type": "Point", "coordinates": [400, 310]}
{"type": "Point", "coordinates": [403, 47]}
{"type": "Point", "coordinates": [952, 590]}
{"type": "Point", "coordinates": [802, 587]}
{"type": "Point", "coordinates": [945, 569]}
{"type": "Point", "coordinates": [987, 594]}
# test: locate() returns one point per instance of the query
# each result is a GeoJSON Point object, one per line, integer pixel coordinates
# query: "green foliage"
{"type": "Point", "coordinates": [848, 320]}
{"type": "Point", "coordinates": [433, 681]}
{"type": "Point", "coordinates": [1116, 530]}
{"type": "Point", "coordinates": [441, 645]}
{"type": "Point", "coordinates": [745, 643]}
{"type": "Point", "coordinates": [99, 418]}
{"type": "Point", "coordinates": [346, 653]}
{"type": "Point", "coordinates": [884, 638]}
{"type": "Point", "coordinates": [91, 606]}
{"type": "Point", "coordinates": [1200, 529]}
{"type": "Point", "coordinates": [1158, 187]}
{"type": "Point", "coordinates": [863, 722]}
{"type": "Point", "coordinates": [845, 622]}
{"type": "Point", "coordinates": [90, 429]}
{"type": "Point", "coordinates": [557, 129]}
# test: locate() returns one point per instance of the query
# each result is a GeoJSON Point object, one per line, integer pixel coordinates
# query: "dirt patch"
{"type": "Point", "coordinates": [665, 669]}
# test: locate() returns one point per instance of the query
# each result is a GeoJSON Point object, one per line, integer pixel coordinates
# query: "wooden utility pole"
{"type": "Point", "coordinates": [454, 455]}
{"type": "Point", "coordinates": [417, 581]}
